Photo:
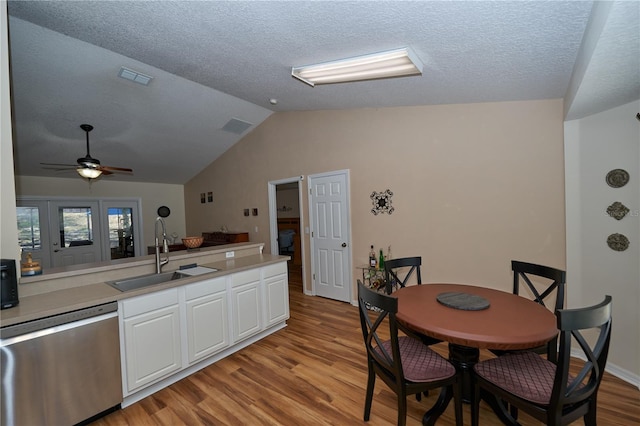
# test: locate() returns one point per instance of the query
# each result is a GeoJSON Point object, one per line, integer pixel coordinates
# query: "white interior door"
{"type": "Point", "coordinates": [330, 235]}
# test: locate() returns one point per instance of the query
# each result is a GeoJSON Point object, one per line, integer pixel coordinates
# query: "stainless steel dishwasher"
{"type": "Point", "coordinates": [61, 370]}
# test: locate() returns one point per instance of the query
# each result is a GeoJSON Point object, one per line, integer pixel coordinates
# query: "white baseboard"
{"type": "Point", "coordinates": [621, 373]}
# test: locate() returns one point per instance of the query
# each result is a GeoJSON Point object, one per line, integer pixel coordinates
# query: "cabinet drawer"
{"type": "Point", "coordinates": [149, 302]}
{"type": "Point", "coordinates": [273, 270]}
{"type": "Point", "coordinates": [245, 277]}
{"type": "Point", "coordinates": [204, 288]}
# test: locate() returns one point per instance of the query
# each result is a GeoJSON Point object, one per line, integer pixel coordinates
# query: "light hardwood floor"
{"type": "Point", "coordinates": [313, 372]}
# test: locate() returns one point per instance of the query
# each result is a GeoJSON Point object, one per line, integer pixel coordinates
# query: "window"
{"type": "Point", "coordinates": [29, 228]}
{"type": "Point", "coordinates": [120, 221]}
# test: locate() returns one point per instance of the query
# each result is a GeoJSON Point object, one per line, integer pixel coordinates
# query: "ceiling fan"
{"type": "Point", "coordinates": [88, 167]}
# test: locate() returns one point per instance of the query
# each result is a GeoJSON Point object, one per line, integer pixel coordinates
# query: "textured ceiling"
{"type": "Point", "coordinates": [214, 60]}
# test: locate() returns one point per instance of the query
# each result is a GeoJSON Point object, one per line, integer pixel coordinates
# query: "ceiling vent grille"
{"type": "Point", "coordinates": [236, 126]}
{"type": "Point", "coordinates": [134, 76]}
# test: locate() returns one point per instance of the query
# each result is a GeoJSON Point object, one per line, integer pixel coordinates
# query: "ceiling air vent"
{"type": "Point", "coordinates": [134, 76]}
{"type": "Point", "coordinates": [236, 126]}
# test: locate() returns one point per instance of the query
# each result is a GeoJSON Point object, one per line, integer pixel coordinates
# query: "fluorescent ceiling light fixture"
{"type": "Point", "coordinates": [391, 63]}
{"type": "Point", "coordinates": [134, 76]}
{"type": "Point", "coordinates": [89, 172]}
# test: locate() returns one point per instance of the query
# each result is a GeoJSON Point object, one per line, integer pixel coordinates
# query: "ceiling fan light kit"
{"type": "Point", "coordinates": [401, 62]}
{"type": "Point", "coordinates": [89, 173]}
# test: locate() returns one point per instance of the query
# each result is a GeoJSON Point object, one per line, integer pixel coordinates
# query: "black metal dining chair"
{"type": "Point", "coordinates": [393, 268]}
{"type": "Point", "coordinates": [545, 389]}
{"type": "Point", "coordinates": [403, 362]}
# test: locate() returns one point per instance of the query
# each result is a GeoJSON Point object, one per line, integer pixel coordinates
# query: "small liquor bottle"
{"type": "Point", "coordinates": [372, 258]}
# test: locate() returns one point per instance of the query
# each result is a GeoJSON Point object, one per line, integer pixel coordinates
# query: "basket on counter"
{"type": "Point", "coordinates": [192, 242]}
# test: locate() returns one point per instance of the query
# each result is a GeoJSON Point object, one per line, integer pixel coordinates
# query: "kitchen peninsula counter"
{"type": "Point", "coordinates": [95, 292]}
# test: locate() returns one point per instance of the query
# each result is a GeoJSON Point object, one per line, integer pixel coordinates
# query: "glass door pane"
{"type": "Point", "coordinates": [76, 227]}
{"type": "Point", "coordinates": [29, 228]}
{"type": "Point", "coordinates": [120, 223]}
{"type": "Point", "coordinates": [33, 230]}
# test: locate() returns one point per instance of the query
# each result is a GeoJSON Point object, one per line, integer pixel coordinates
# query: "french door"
{"type": "Point", "coordinates": [75, 232]}
{"type": "Point", "coordinates": [65, 232]}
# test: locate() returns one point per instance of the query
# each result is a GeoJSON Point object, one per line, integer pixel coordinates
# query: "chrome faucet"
{"type": "Point", "coordinates": [165, 245]}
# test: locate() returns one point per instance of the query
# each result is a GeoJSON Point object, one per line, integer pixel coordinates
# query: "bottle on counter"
{"type": "Point", "coordinates": [372, 258]}
{"type": "Point", "coordinates": [389, 253]}
{"type": "Point", "coordinates": [381, 261]}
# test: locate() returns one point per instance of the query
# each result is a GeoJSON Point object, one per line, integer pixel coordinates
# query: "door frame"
{"type": "Point", "coordinates": [273, 221]}
{"type": "Point", "coordinates": [349, 250]}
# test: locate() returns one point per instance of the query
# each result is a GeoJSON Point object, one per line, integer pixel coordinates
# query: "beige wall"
{"type": "Point", "coordinates": [474, 185]}
{"type": "Point", "coordinates": [152, 195]}
{"type": "Point", "coordinates": [595, 145]}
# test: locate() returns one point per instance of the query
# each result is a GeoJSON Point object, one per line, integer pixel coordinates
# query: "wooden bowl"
{"type": "Point", "coordinates": [192, 242]}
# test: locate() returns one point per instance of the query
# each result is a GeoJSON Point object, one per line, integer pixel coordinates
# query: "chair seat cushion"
{"type": "Point", "coordinates": [525, 374]}
{"type": "Point", "coordinates": [419, 362]}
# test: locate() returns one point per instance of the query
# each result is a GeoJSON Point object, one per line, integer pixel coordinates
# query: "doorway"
{"type": "Point", "coordinates": [286, 223]}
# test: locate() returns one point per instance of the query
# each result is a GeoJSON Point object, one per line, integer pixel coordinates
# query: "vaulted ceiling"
{"type": "Point", "coordinates": [215, 61]}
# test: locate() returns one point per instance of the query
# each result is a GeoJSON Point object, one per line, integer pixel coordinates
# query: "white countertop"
{"type": "Point", "coordinates": [56, 302]}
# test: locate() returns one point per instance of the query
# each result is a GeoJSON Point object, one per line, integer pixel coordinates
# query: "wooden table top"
{"type": "Point", "coordinates": [510, 322]}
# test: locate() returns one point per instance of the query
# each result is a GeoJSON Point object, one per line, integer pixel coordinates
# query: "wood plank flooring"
{"type": "Point", "coordinates": [313, 372]}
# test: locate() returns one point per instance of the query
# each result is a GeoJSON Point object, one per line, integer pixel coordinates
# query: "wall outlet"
{"type": "Point", "coordinates": [229, 254]}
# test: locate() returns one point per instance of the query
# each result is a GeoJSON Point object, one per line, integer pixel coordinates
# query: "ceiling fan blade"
{"type": "Point", "coordinates": [106, 172]}
{"type": "Point", "coordinates": [60, 165]}
{"type": "Point", "coordinates": [115, 169]}
{"type": "Point", "coordinates": [60, 169]}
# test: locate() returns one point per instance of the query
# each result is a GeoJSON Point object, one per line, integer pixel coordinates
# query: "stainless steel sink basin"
{"type": "Point", "coordinates": [143, 281]}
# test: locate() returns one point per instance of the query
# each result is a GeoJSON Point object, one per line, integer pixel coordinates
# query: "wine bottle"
{"type": "Point", "coordinates": [372, 258]}
{"type": "Point", "coordinates": [381, 261]}
{"type": "Point", "coordinates": [389, 253]}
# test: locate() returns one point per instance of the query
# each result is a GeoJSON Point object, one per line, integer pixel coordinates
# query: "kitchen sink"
{"type": "Point", "coordinates": [143, 281]}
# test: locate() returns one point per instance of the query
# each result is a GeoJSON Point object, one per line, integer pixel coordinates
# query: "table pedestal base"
{"type": "Point", "coordinates": [464, 358]}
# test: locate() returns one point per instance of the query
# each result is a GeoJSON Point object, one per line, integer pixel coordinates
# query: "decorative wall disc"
{"type": "Point", "coordinates": [617, 178]}
{"type": "Point", "coordinates": [381, 202]}
{"type": "Point", "coordinates": [618, 242]}
{"type": "Point", "coordinates": [617, 210]}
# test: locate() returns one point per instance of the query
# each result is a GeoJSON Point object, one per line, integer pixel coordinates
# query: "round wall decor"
{"type": "Point", "coordinates": [617, 178]}
{"type": "Point", "coordinates": [163, 211]}
{"type": "Point", "coordinates": [618, 242]}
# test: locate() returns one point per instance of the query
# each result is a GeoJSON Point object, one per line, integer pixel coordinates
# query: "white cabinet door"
{"type": "Point", "coordinates": [207, 323]}
{"type": "Point", "coordinates": [152, 350]}
{"type": "Point", "coordinates": [246, 304]}
{"type": "Point", "coordinates": [276, 294]}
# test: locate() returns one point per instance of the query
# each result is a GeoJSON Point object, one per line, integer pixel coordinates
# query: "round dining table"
{"type": "Point", "coordinates": [471, 318]}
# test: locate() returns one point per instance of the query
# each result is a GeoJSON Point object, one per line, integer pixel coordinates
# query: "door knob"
{"type": "Point", "coordinates": [344, 244]}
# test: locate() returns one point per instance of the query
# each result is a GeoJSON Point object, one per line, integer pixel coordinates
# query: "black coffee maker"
{"type": "Point", "coordinates": [9, 284]}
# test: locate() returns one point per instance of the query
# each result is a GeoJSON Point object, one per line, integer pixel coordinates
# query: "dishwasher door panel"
{"type": "Point", "coordinates": [61, 375]}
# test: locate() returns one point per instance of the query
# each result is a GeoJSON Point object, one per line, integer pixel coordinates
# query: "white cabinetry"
{"type": "Point", "coordinates": [151, 325]}
{"type": "Point", "coordinates": [169, 334]}
{"type": "Point", "coordinates": [276, 293]}
{"type": "Point", "coordinates": [207, 318]}
{"type": "Point", "coordinates": [246, 304]}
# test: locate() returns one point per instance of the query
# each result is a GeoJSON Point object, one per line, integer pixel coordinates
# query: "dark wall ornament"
{"type": "Point", "coordinates": [618, 242]}
{"type": "Point", "coordinates": [617, 210]}
{"type": "Point", "coordinates": [617, 178]}
{"type": "Point", "coordinates": [381, 202]}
